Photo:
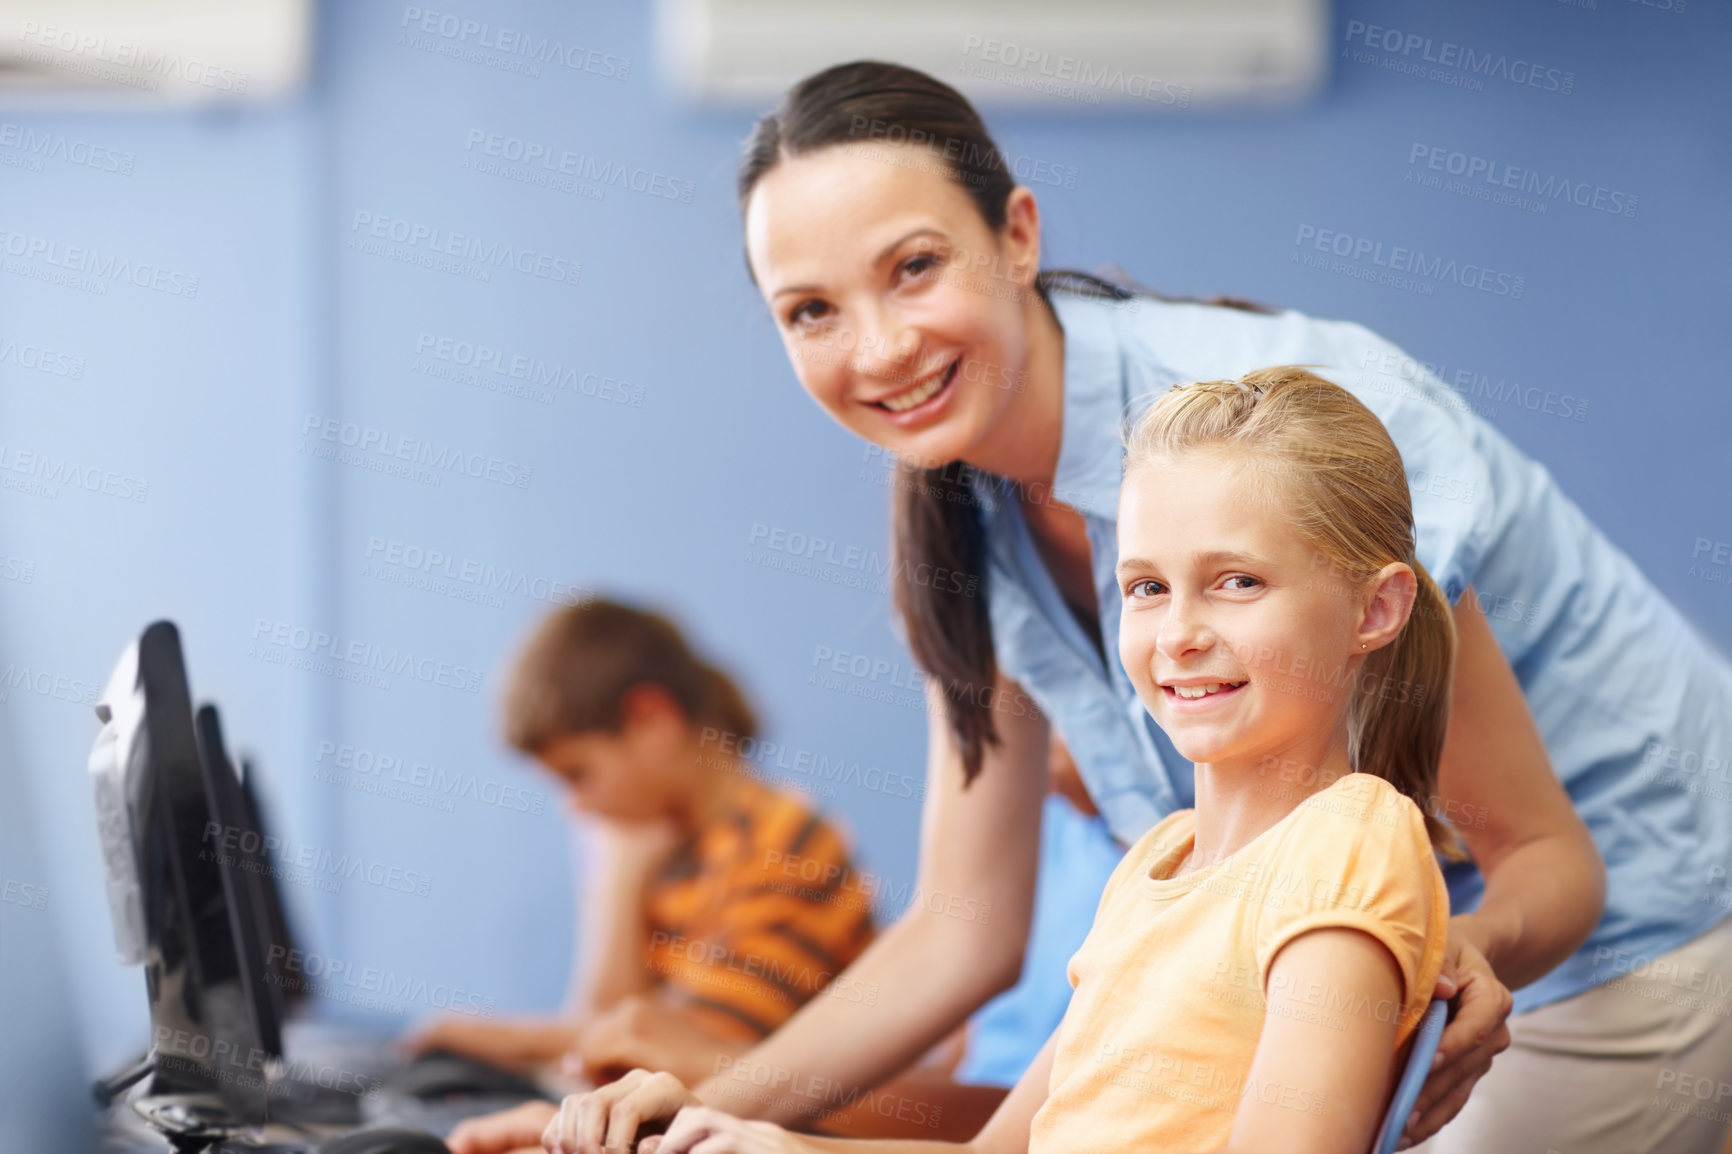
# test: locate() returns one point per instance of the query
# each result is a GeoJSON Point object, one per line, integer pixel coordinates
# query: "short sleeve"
{"type": "Point", "coordinates": [1357, 857]}
{"type": "Point", "coordinates": [781, 920]}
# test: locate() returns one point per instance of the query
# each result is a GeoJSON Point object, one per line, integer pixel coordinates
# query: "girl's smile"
{"type": "Point", "coordinates": [1197, 695]}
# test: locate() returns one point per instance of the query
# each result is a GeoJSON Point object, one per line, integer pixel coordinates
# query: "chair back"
{"type": "Point", "coordinates": [1425, 1040]}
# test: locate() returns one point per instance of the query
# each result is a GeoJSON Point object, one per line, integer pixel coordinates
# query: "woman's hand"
{"type": "Point", "coordinates": [721, 1133]}
{"type": "Point", "coordinates": [514, 1131]}
{"type": "Point", "coordinates": [1478, 1033]}
{"type": "Point", "coordinates": [614, 1117]}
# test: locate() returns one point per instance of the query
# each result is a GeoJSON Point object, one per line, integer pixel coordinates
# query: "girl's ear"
{"type": "Point", "coordinates": [1392, 592]}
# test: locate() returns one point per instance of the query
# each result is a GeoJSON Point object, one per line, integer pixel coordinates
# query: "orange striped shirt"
{"type": "Point", "coordinates": [756, 914]}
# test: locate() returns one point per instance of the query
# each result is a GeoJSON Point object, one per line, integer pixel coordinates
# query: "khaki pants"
{"type": "Point", "coordinates": [1641, 1064]}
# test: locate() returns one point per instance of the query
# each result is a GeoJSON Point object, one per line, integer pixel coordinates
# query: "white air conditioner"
{"type": "Point", "coordinates": [1080, 54]}
{"type": "Point", "coordinates": [152, 52]}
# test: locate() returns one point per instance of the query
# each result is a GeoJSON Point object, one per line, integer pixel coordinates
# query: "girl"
{"type": "Point", "coordinates": [699, 939]}
{"type": "Point", "coordinates": [1256, 963]}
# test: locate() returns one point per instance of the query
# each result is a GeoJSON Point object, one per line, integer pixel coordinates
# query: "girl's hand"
{"type": "Point", "coordinates": [612, 1118]}
{"type": "Point", "coordinates": [1478, 1033]}
{"type": "Point", "coordinates": [721, 1133]}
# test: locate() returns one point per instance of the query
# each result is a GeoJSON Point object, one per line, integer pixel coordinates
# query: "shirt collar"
{"type": "Point", "coordinates": [1090, 451]}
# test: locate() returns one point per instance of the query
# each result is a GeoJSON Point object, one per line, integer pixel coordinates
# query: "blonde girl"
{"type": "Point", "coordinates": [1257, 963]}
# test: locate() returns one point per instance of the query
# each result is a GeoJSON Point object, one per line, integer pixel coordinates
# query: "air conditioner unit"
{"type": "Point", "coordinates": [152, 52]}
{"type": "Point", "coordinates": [1153, 54]}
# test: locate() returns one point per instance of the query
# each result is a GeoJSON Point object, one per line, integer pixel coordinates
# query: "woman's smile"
{"type": "Point", "coordinates": [923, 400]}
{"type": "Point", "coordinates": [853, 250]}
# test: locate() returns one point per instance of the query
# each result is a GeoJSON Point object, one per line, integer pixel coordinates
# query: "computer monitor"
{"type": "Point", "coordinates": [248, 881]}
{"type": "Point", "coordinates": [287, 990]}
{"type": "Point", "coordinates": [173, 875]}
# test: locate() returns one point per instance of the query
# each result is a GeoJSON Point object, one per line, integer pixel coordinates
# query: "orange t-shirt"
{"type": "Point", "coordinates": [1155, 1050]}
{"type": "Point", "coordinates": [756, 914]}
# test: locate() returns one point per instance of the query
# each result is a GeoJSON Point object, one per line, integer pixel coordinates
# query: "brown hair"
{"type": "Point", "coordinates": [934, 522]}
{"type": "Point", "coordinates": [575, 670]}
{"type": "Point", "coordinates": [1329, 462]}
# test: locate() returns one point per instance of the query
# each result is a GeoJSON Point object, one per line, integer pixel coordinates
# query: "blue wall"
{"type": "Point", "coordinates": [674, 427]}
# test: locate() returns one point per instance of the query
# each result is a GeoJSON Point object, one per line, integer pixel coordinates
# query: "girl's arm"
{"type": "Point", "coordinates": [960, 942]}
{"type": "Point", "coordinates": [1545, 886]}
{"type": "Point", "coordinates": [1320, 1081]}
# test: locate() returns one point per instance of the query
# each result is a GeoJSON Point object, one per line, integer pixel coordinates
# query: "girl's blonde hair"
{"type": "Point", "coordinates": [1328, 460]}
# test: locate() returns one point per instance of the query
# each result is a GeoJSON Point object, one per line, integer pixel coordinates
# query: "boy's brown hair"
{"type": "Point", "coordinates": [578, 665]}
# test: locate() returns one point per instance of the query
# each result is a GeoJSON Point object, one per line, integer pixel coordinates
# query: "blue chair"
{"type": "Point", "coordinates": [1413, 1077]}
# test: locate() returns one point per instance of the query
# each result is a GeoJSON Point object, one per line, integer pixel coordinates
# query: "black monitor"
{"type": "Point", "coordinates": [248, 882]}
{"type": "Point", "coordinates": [177, 858]}
{"type": "Point", "coordinates": [272, 912]}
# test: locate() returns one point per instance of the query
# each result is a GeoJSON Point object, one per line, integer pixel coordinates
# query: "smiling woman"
{"type": "Point", "coordinates": [899, 259]}
{"type": "Point", "coordinates": [920, 330]}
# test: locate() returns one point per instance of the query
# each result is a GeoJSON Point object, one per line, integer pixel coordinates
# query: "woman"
{"type": "Point", "coordinates": [898, 259]}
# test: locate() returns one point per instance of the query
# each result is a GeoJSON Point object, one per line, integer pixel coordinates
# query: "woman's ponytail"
{"type": "Point", "coordinates": [935, 527]}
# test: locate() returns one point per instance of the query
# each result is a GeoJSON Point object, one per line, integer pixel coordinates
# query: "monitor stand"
{"type": "Point", "coordinates": [192, 1123]}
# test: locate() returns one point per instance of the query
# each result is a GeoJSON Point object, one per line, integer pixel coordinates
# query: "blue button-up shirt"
{"type": "Point", "coordinates": [1077, 856]}
{"type": "Point", "coordinates": [1634, 707]}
